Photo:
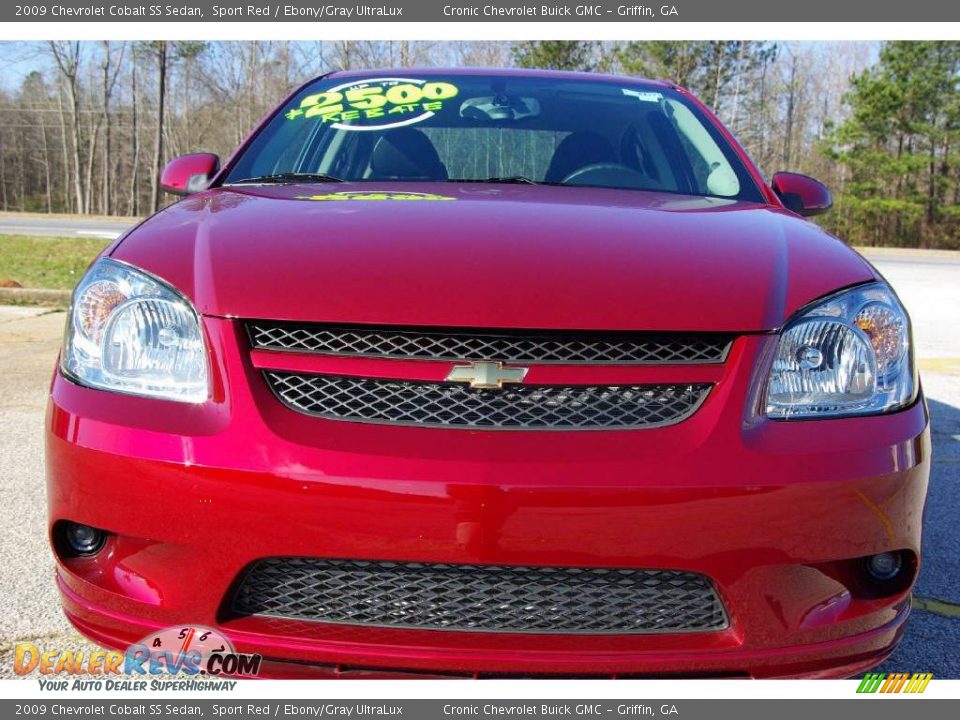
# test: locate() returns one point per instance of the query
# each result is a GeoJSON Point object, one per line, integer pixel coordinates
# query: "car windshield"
{"type": "Point", "coordinates": [506, 128]}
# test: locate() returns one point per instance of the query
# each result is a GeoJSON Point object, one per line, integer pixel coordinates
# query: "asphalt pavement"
{"type": "Point", "coordinates": [63, 226]}
{"type": "Point", "coordinates": [928, 283]}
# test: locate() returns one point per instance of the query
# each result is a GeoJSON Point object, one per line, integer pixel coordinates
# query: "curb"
{"type": "Point", "coordinates": [35, 296]}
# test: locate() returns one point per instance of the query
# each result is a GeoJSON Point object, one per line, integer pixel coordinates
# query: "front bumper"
{"type": "Point", "coordinates": [776, 514]}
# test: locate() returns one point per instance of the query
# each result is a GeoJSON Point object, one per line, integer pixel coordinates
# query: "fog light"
{"type": "Point", "coordinates": [83, 539]}
{"type": "Point", "coordinates": [885, 566]}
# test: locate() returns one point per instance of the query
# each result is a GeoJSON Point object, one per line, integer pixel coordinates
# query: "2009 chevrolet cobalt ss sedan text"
{"type": "Point", "coordinates": [490, 373]}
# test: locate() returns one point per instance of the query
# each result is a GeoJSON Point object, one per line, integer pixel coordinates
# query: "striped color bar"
{"type": "Point", "coordinates": [918, 683]}
{"type": "Point", "coordinates": [894, 682]}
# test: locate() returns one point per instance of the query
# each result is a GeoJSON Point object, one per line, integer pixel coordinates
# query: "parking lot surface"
{"type": "Point", "coordinates": [928, 283]}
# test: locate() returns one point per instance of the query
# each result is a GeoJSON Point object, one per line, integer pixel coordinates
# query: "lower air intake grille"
{"type": "Point", "coordinates": [480, 598]}
{"type": "Point", "coordinates": [574, 407]}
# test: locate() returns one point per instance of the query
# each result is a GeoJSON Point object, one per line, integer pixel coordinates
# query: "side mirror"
{"type": "Point", "coordinates": [801, 194]}
{"type": "Point", "coordinates": [188, 174]}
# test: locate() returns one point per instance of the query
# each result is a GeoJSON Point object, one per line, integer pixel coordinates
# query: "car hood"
{"type": "Point", "coordinates": [475, 255]}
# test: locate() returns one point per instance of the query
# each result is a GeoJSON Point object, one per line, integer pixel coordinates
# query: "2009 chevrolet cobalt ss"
{"type": "Point", "coordinates": [490, 373]}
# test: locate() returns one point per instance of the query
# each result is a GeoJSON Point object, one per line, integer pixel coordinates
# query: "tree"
{"type": "Point", "coordinates": [707, 68]}
{"type": "Point", "coordinates": [35, 166]}
{"type": "Point", "coordinates": [556, 54]}
{"type": "Point", "coordinates": [67, 56]}
{"type": "Point", "coordinates": [133, 201]}
{"type": "Point", "coordinates": [681, 61]}
{"type": "Point", "coordinates": [899, 146]}
{"type": "Point", "coordinates": [160, 53]}
{"type": "Point", "coordinates": [110, 70]}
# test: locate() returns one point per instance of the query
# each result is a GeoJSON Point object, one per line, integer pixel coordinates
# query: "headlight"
{"type": "Point", "coordinates": [131, 333]}
{"type": "Point", "coordinates": [847, 355]}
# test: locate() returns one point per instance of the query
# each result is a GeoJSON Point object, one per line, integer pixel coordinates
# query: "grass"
{"type": "Point", "coordinates": [47, 262]}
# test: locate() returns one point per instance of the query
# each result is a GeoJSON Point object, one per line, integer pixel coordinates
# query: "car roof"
{"type": "Point", "coordinates": [498, 72]}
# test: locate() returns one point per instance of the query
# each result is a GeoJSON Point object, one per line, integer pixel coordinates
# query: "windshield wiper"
{"type": "Point", "coordinates": [508, 180]}
{"type": "Point", "coordinates": [291, 177]}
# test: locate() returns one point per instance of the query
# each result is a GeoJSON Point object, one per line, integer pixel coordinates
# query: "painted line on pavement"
{"type": "Point", "coordinates": [947, 365]}
{"type": "Point", "coordinates": [937, 607]}
{"type": "Point", "coordinates": [107, 234]}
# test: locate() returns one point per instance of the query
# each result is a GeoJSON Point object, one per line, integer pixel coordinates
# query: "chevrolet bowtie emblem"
{"type": "Point", "coordinates": [486, 375]}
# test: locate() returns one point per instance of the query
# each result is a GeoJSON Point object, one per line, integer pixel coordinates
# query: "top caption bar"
{"type": "Point", "coordinates": [500, 11]}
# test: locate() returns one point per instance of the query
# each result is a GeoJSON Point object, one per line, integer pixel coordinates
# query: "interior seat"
{"type": "Point", "coordinates": [577, 150]}
{"type": "Point", "coordinates": [406, 154]}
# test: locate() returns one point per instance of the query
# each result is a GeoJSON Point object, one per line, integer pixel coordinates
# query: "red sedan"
{"type": "Point", "coordinates": [490, 373]}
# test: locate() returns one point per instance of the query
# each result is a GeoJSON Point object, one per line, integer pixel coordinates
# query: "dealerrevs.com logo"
{"type": "Point", "coordinates": [177, 658]}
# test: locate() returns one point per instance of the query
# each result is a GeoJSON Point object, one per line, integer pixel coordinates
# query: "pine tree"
{"type": "Point", "coordinates": [900, 147]}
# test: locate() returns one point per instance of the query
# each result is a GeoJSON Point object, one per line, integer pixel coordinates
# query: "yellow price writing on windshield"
{"type": "Point", "coordinates": [375, 104]}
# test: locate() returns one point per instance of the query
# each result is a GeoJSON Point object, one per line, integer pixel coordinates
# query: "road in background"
{"type": "Point", "coordinates": [65, 226]}
{"type": "Point", "coordinates": [928, 283]}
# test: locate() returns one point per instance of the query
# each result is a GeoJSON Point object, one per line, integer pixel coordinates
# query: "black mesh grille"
{"type": "Point", "coordinates": [480, 598]}
{"type": "Point", "coordinates": [577, 407]}
{"type": "Point", "coordinates": [522, 347]}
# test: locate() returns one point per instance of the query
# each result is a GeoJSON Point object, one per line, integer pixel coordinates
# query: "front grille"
{"type": "Point", "coordinates": [573, 407]}
{"type": "Point", "coordinates": [513, 346]}
{"type": "Point", "coordinates": [480, 598]}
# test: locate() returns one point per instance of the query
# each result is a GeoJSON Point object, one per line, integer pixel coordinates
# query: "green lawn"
{"type": "Point", "coordinates": [46, 262]}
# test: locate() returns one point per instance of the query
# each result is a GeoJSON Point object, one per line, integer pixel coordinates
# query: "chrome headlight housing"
{"type": "Point", "coordinates": [130, 332]}
{"type": "Point", "coordinates": [849, 354]}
